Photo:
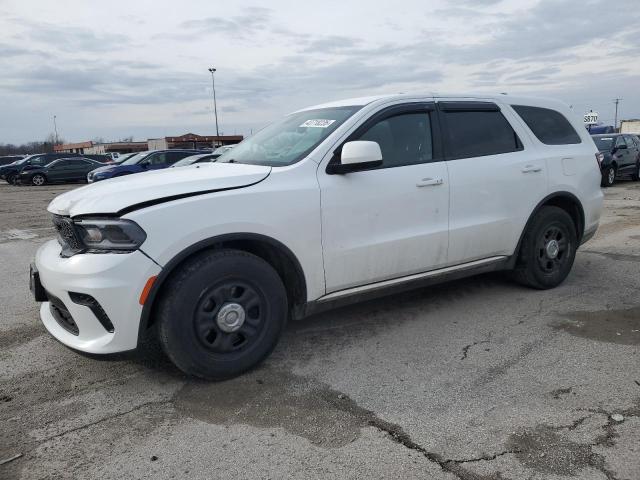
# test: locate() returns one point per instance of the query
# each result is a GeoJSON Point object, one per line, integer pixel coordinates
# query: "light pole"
{"type": "Point", "coordinates": [615, 123]}
{"type": "Point", "coordinates": [55, 129]}
{"type": "Point", "coordinates": [215, 106]}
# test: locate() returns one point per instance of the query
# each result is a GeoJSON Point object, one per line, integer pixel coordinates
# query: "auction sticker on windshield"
{"type": "Point", "coordinates": [317, 123]}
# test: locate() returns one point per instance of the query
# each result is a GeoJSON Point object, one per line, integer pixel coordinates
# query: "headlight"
{"type": "Point", "coordinates": [97, 235]}
{"type": "Point", "coordinates": [110, 234]}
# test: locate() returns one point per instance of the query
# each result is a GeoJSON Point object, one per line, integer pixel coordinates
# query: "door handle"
{"type": "Point", "coordinates": [531, 169]}
{"type": "Point", "coordinates": [429, 182]}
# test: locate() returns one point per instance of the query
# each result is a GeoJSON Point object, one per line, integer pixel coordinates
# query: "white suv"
{"type": "Point", "coordinates": [330, 204]}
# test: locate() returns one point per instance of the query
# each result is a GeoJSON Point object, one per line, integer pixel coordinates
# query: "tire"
{"type": "Point", "coordinates": [192, 328]}
{"type": "Point", "coordinates": [635, 176]}
{"type": "Point", "coordinates": [608, 176]}
{"type": "Point", "coordinates": [38, 180]}
{"type": "Point", "coordinates": [536, 266]}
{"type": "Point", "coordinates": [10, 179]}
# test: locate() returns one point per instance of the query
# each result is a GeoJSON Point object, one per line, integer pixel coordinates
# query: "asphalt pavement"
{"type": "Point", "coordinates": [473, 379]}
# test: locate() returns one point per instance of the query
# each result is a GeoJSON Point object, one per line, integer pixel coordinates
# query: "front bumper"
{"type": "Point", "coordinates": [114, 281]}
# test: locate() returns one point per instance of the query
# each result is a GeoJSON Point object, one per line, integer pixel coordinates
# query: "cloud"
{"type": "Point", "coordinates": [247, 24]}
{"type": "Point", "coordinates": [72, 39]}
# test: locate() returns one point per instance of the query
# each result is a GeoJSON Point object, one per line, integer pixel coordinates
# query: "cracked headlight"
{"type": "Point", "coordinates": [109, 235]}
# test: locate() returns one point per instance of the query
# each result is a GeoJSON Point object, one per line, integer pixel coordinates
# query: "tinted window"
{"type": "Point", "coordinates": [476, 134]}
{"type": "Point", "coordinates": [173, 157]}
{"type": "Point", "coordinates": [604, 144]}
{"type": "Point", "coordinates": [156, 159]}
{"type": "Point", "coordinates": [630, 141]}
{"type": "Point", "coordinates": [620, 141]}
{"type": "Point", "coordinates": [404, 139]}
{"type": "Point", "coordinates": [549, 126]}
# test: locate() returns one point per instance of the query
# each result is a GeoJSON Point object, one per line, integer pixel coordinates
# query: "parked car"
{"type": "Point", "coordinates": [619, 156]}
{"type": "Point", "coordinates": [10, 173]}
{"type": "Point", "coordinates": [141, 162]}
{"type": "Point", "coordinates": [200, 158]}
{"type": "Point", "coordinates": [7, 159]}
{"type": "Point", "coordinates": [329, 205]}
{"type": "Point", "coordinates": [64, 170]}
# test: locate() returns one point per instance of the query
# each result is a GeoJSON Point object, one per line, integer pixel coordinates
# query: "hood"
{"type": "Point", "coordinates": [117, 194]}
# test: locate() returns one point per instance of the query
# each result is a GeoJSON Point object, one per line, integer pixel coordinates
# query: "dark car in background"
{"type": "Point", "coordinates": [64, 170]}
{"type": "Point", "coordinates": [141, 162]}
{"type": "Point", "coordinates": [7, 159]}
{"type": "Point", "coordinates": [619, 156]}
{"type": "Point", "coordinates": [10, 172]}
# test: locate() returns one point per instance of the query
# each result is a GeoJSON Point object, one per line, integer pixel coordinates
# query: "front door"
{"type": "Point", "coordinates": [389, 221]}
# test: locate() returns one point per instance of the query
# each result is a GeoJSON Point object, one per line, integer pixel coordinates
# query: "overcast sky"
{"type": "Point", "coordinates": [119, 68]}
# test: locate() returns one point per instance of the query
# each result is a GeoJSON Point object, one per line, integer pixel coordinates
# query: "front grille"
{"type": "Point", "coordinates": [67, 235]}
{"type": "Point", "coordinates": [62, 315]}
{"type": "Point", "coordinates": [95, 307]}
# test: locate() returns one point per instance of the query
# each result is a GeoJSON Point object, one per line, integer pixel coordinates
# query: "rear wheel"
{"type": "Point", "coordinates": [221, 313]}
{"type": "Point", "coordinates": [548, 249]}
{"type": "Point", "coordinates": [608, 176]}
{"type": "Point", "coordinates": [38, 180]}
{"type": "Point", "coordinates": [636, 174]}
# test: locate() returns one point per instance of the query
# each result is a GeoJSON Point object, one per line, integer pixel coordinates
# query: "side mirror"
{"type": "Point", "coordinates": [357, 155]}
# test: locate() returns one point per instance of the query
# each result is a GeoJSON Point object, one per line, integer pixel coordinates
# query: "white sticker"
{"type": "Point", "coordinates": [317, 123]}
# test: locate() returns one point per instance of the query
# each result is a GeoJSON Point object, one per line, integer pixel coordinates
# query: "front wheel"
{"type": "Point", "coordinates": [608, 176]}
{"type": "Point", "coordinates": [221, 313]}
{"type": "Point", "coordinates": [635, 176]}
{"type": "Point", "coordinates": [10, 179]}
{"type": "Point", "coordinates": [548, 249]}
{"type": "Point", "coordinates": [38, 180]}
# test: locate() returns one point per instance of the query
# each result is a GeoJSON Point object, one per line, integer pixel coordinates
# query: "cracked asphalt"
{"type": "Point", "coordinates": [476, 379]}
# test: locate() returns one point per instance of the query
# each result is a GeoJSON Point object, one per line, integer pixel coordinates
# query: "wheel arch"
{"type": "Point", "coordinates": [274, 252]}
{"type": "Point", "coordinates": [564, 200]}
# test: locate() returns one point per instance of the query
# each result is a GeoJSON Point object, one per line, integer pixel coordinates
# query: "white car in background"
{"type": "Point", "coordinates": [331, 204]}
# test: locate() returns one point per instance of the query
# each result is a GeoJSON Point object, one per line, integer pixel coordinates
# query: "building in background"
{"type": "Point", "coordinates": [630, 126]}
{"type": "Point", "coordinates": [188, 140]}
{"type": "Point", "coordinates": [101, 148]}
{"type": "Point", "coordinates": [191, 140]}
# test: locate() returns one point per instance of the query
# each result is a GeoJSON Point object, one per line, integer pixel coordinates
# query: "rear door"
{"type": "Point", "coordinates": [631, 156]}
{"type": "Point", "coordinates": [495, 179]}
{"type": "Point", "coordinates": [623, 154]}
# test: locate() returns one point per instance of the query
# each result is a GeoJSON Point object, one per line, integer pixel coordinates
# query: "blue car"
{"type": "Point", "coordinates": [141, 162]}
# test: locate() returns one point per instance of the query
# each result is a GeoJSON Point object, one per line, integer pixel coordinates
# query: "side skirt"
{"type": "Point", "coordinates": [396, 285]}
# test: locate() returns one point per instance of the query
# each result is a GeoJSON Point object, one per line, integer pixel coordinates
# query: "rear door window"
{"type": "Point", "coordinates": [549, 126]}
{"type": "Point", "coordinates": [477, 133]}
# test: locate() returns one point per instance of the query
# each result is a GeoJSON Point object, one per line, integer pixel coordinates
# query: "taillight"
{"type": "Point", "coordinates": [599, 158]}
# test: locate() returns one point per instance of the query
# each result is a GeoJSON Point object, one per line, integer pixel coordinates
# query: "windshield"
{"type": "Point", "coordinates": [289, 140]}
{"type": "Point", "coordinates": [187, 160]}
{"type": "Point", "coordinates": [30, 157]}
{"type": "Point", "coordinates": [136, 158]}
{"type": "Point", "coordinates": [604, 143]}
